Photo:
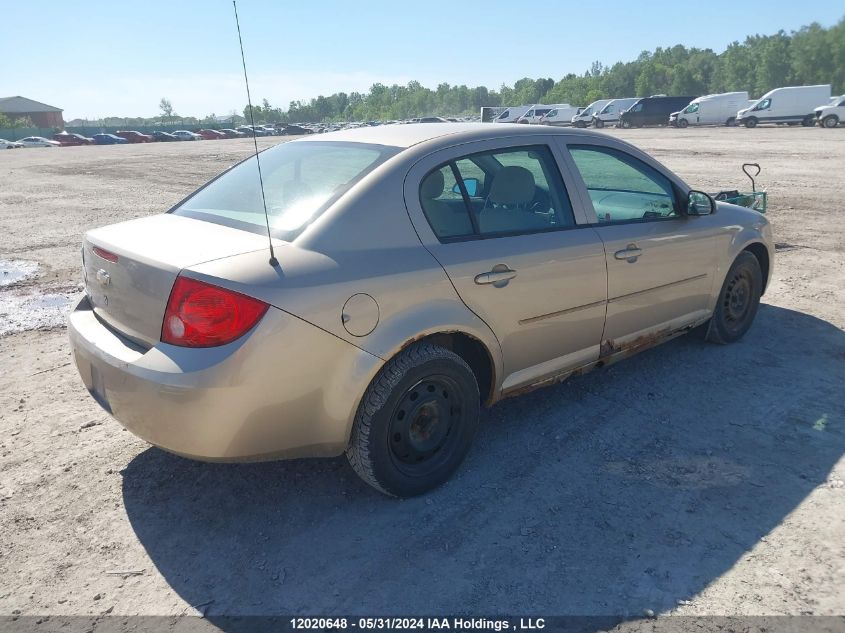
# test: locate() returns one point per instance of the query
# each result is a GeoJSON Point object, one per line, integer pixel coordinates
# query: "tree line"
{"type": "Point", "coordinates": [811, 55]}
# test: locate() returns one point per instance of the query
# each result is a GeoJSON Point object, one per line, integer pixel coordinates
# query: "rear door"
{"type": "Point", "coordinates": [660, 262]}
{"type": "Point", "coordinates": [498, 218]}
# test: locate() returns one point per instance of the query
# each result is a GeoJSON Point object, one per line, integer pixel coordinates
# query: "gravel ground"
{"type": "Point", "coordinates": [691, 479]}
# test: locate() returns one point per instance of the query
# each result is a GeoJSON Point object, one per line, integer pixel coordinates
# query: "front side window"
{"type": "Point", "coordinates": [551, 114]}
{"type": "Point", "coordinates": [637, 108]}
{"type": "Point", "coordinates": [623, 188]}
{"type": "Point", "coordinates": [692, 108]}
{"type": "Point", "coordinates": [608, 109]}
{"type": "Point", "coordinates": [301, 180]}
{"type": "Point", "coordinates": [504, 192]}
{"type": "Point", "coordinates": [763, 105]}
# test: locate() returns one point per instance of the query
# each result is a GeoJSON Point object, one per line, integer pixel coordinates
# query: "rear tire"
{"type": "Point", "coordinates": [730, 122]}
{"type": "Point", "coordinates": [738, 300]}
{"type": "Point", "coordinates": [809, 121]}
{"type": "Point", "coordinates": [415, 422]}
{"type": "Point", "coordinates": [830, 121]}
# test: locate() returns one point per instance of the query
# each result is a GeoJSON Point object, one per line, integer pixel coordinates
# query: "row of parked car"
{"type": "Point", "coordinates": [789, 105]}
{"type": "Point", "coordinates": [65, 139]}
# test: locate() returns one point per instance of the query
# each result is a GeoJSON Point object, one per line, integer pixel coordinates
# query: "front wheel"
{"type": "Point", "coordinates": [682, 123]}
{"type": "Point", "coordinates": [415, 422]}
{"type": "Point", "coordinates": [598, 123]}
{"type": "Point", "coordinates": [738, 300]}
{"type": "Point", "coordinates": [752, 122]}
{"type": "Point", "coordinates": [830, 121]}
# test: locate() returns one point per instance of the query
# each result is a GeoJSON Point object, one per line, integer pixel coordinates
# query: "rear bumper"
{"type": "Point", "coordinates": [285, 389]}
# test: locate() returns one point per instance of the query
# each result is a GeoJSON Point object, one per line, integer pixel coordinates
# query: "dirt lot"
{"type": "Point", "coordinates": [691, 479]}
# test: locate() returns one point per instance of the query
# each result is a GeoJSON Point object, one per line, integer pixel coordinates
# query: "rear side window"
{"type": "Point", "coordinates": [443, 204]}
{"type": "Point", "coordinates": [494, 194]}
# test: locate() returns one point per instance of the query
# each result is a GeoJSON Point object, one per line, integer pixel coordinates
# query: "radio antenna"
{"type": "Point", "coordinates": [273, 261]}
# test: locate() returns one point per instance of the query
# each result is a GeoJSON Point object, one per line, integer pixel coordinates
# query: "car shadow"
{"type": "Point", "coordinates": [631, 488]}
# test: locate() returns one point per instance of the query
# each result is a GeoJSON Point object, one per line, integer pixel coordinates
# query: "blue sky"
{"type": "Point", "coordinates": [99, 58]}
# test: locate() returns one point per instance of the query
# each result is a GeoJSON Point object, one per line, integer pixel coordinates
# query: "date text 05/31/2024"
{"type": "Point", "coordinates": [424, 624]}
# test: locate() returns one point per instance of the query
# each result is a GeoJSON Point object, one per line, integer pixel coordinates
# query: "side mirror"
{"type": "Point", "coordinates": [699, 203]}
{"type": "Point", "coordinates": [472, 185]}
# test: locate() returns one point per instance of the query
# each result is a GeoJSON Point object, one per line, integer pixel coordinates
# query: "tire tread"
{"type": "Point", "coordinates": [377, 394]}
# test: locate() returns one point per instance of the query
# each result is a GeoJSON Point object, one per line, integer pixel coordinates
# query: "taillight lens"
{"type": "Point", "coordinates": [107, 255]}
{"type": "Point", "coordinates": [199, 314]}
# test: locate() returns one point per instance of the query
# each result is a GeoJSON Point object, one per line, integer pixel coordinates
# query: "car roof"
{"type": "Point", "coordinates": [404, 136]}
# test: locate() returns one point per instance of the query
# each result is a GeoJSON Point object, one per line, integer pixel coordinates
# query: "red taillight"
{"type": "Point", "coordinates": [201, 315]}
{"type": "Point", "coordinates": [107, 255]}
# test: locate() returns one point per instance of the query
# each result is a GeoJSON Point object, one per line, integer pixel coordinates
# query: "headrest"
{"type": "Point", "coordinates": [512, 185]}
{"type": "Point", "coordinates": [432, 186]}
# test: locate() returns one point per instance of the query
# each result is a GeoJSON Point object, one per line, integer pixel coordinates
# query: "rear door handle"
{"type": "Point", "coordinates": [495, 276]}
{"type": "Point", "coordinates": [630, 253]}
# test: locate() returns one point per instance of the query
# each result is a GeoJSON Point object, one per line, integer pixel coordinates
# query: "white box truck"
{"type": "Point", "coordinates": [560, 115]}
{"type": "Point", "coordinates": [832, 114]}
{"type": "Point", "coordinates": [512, 114]}
{"type": "Point", "coordinates": [611, 111]}
{"type": "Point", "coordinates": [717, 109]}
{"type": "Point", "coordinates": [791, 105]}
{"type": "Point", "coordinates": [585, 116]}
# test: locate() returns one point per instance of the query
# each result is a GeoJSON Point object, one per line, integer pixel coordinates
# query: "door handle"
{"type": "Point", "coordinates": [495, 276]}
{"type": "Point", "coordinates": [629, 253]}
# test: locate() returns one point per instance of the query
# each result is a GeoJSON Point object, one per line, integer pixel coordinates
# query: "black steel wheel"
{"type": "Point", "coordinates": [738, 301]}
{"type": "Point", "coordinates": [416, 421]}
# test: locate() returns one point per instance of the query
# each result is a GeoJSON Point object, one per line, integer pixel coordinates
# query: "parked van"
{"type": "Point", "coordinates": [560, 115]}
{"type": "Point", "coordinates": [512, 114]}
{"type": "Point", "coordinates": [792, 104]}
{"type": "Point", "coordinates": [536, 112]}
{"type": "Point", "coordinates": [585, 116]}
{"type": "Point", "coordinates": [490, 113]}
{"type": "Point", "coordinates": [653, 111]}
{"type": "Point", "coordinates": [611, 111]}
{"type": "Point", "coordinates": [832, 114]}
{"type": "Point", "coordinates": [717, 109]}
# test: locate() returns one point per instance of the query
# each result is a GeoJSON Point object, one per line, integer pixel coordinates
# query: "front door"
{"type": "Point", "coordinates": [660, 262]}
{"type": "Point", "coordinates": [505, 232]}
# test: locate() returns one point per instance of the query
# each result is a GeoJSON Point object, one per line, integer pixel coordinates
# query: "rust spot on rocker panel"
{"type": "Point", "coordinates": [609, 353]}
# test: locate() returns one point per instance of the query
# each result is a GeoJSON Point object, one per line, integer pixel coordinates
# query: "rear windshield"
{"type": "Point", "coordinates": [301, 180]}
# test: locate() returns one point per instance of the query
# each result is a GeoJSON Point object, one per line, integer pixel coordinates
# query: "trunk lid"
{"type": "Point", "coordinates": [130, 294]}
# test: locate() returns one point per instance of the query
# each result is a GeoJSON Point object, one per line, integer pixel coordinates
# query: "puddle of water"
{"type": "Point", "coordinates": [15, 270]}
{"type": "Point", "coordinates": [20, 313]}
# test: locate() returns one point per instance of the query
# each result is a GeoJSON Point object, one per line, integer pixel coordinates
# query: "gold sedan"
{"type": "Point", "coordinates": [418, 273]}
